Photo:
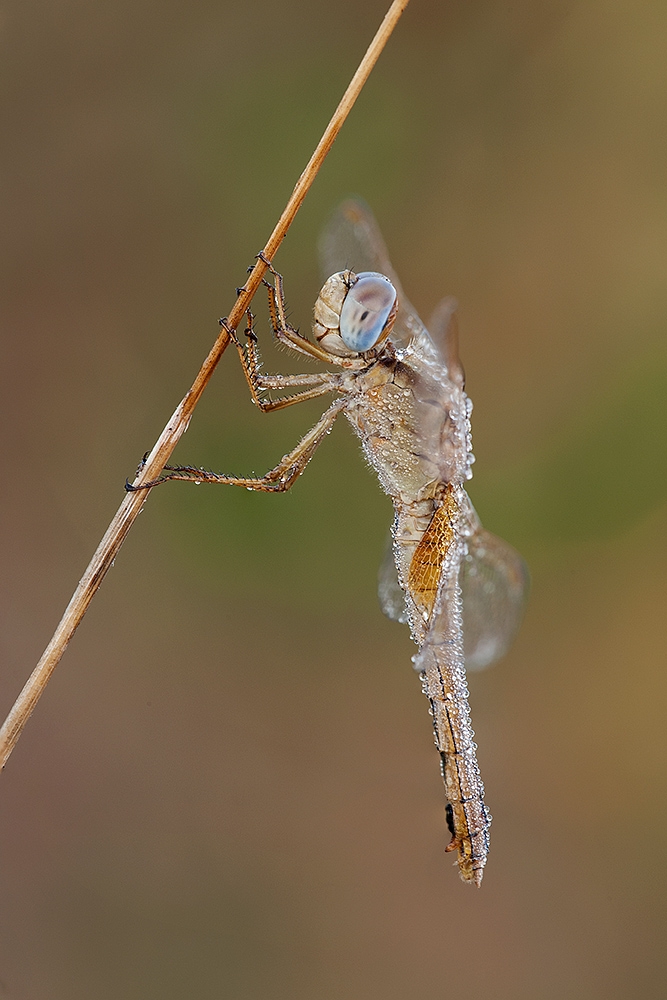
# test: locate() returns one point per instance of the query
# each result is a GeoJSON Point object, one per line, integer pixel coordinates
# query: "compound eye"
{"type": "Point", "coordinates": [366, 312]}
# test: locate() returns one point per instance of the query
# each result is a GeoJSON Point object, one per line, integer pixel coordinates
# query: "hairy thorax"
{"type": "Point", "coordinates": [414, 425]}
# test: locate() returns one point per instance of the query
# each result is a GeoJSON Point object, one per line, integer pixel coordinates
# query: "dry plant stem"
{"type": "Point", "coordinates": [177, 425]}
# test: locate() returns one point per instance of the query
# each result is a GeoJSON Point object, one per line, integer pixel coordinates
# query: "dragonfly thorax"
{"type": "Point", "coordinates": [414, 425]}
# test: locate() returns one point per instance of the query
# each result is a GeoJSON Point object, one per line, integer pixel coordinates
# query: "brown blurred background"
{"type": "Point", "coordinates": [229, 789]}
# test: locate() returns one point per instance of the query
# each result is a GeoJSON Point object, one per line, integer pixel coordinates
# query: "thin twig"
{"type": "Point", "coordinates": [177, 425]}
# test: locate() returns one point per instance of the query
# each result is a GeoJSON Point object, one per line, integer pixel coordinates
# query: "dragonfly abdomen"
{"type": "Point", "coordinates": [433, 583]}
{"type": "Point", "coordinates": [468, 818]}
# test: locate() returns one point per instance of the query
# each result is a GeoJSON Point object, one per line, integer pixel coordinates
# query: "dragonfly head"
{"type": "Point", "coordinates": [354, 312]}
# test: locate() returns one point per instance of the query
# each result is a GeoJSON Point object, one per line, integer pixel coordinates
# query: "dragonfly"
{"type": "Point", "coordinates": [402, 388]}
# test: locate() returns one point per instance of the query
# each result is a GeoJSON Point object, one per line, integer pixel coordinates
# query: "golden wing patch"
{"type": "Point", "coordinates": [430, 554]}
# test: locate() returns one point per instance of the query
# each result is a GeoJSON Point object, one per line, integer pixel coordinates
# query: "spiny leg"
{"type": "Point", "coordinates": [292, 465]}
{"type": "Point", "coordinates": [322, 382]}
{"type": "Point", "coordinates": [287, 334]}
{"type": "Point", "coordinates": [277, 480]}
{"type": "Point", "coordinates": [284, 333]}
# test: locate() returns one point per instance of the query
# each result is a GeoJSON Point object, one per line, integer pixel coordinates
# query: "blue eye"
{"type": "Point", "coordinates": [366, 310]}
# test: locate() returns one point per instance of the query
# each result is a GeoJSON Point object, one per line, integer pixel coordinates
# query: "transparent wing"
{"type": "Point", "coordinates": [443, 328]}
{"type": "Point", "coordinates": [392, 598]}
{"type": "Point", "coordinates": [494, 581]}
{"type": "Point", "coordinates": [352, 239]}
{"type": "Point", "coordinates": [494, 585]}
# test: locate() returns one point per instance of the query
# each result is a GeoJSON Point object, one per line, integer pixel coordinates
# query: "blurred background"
{"type": "Point", "coordinates": [230, 787]}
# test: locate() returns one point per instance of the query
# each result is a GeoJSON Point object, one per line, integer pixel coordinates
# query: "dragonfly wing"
{"type": "Point", "coordinates": [443, 328]}
{"type": "Point", "coordinates": [494, 582]}
{"type": "Point", "coordinates": [390, 592]}
{"type": "Point", "coordinates": [352, 239]}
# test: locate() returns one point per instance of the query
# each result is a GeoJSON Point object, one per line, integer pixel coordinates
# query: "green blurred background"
{"type": "Point", "coordinates": [229, 789]}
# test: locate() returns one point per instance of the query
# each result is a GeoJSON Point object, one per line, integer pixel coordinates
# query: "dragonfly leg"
{"type": "Point", "coordinates": [321, 382]}
{"type": "Point", "coordinates": [286, 334]}
{"type": "Point", "coordinates": [291, 337]}
{"type": "Point", "coordinates": [277, 480]}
